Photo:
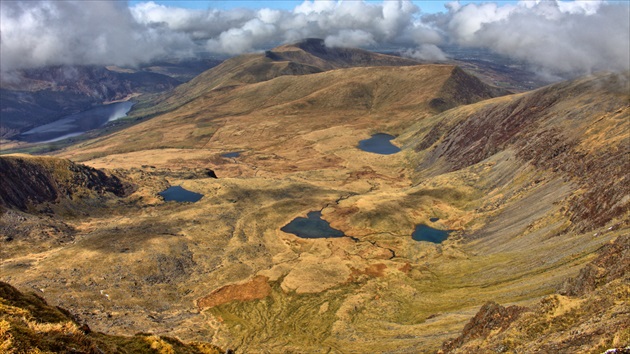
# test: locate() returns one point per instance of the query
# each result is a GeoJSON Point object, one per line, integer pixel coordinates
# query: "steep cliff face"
{"type": "Point", "coordinates": [463, 88]}
{"type": "Point", "coordinates": [28, 181]}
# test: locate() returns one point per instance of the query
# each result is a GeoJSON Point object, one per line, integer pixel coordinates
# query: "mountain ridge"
{"type": "Point", "coordinates": [304, 57]}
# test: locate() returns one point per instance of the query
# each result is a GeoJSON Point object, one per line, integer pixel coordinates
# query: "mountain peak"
{"type": "Point", "coordinates": [313, 51]}
{"type": "Point", "coordinates": [311, 44]}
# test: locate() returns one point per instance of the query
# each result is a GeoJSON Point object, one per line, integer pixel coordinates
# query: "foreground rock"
{"type": "Point", "coordinates": [29, 325]}
{"type": "Point", "coordinates": [593, 318]}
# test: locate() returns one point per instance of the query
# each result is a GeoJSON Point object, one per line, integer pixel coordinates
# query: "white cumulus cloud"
{"type": "Point", "coordinates": [557, 37]}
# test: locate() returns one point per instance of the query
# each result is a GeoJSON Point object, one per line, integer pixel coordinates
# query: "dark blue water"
{"type": "Point", "coordinates": [77, 124]}
{"type": "Point", "coordinates": [233, 154]}
{"type": "Point", "coordinates": [179, 194]}
{"type": "Point", "coordinates": [379, 144]}
{"type": "Point", "coordinates": [427, 233]}
{"type": "Point", "coordinates": [312, 226]}
{"type": "Point", "coordinates": [434, 219]}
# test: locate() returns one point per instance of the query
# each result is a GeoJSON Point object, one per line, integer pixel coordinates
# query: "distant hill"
{"type": "Point", "coordinates": [305, 57]}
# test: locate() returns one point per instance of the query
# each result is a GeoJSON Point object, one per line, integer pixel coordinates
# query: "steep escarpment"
{"type": "Point", "coordinates": [29, 181]}
{"type": "Point", "coordinates": [463, 88]}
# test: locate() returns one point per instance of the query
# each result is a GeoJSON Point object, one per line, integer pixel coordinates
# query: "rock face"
{"type": "Point", "coordinates": [491, 318]}
{"type": "Point", "coordinates": [596, 308]}
{"type": "Point", "coordinates": [30, 181]}
{"type": "Point", "coordinates": [559, 128]}
{"type": "Point", "coordinates": [612, 263]}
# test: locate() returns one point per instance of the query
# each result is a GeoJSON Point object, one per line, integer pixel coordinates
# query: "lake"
{"type": "Point", "coordinates": [427, 233]}
{"type": "Point", "coordinates": [379, 144]}
{"type": "Point", "coordinates": [233, 154]}
{"type": "Point", "coordinates": [77, 124]}
{"type": "Point", "coordinates": [312, 226]}
{"type": "Point", "coordinates": [179, 194]}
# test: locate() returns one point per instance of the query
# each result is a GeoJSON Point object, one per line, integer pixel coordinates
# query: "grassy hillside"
{"type": "Point", "coordinates": [302, 58]}
{"type": "Point", "coordinates": [362, 99]}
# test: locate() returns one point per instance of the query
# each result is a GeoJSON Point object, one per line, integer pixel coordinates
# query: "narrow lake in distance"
{"type": "Point", "coordinates": [77, 124]}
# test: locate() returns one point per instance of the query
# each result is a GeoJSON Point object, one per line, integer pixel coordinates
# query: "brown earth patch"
{"type": "Point", "coordinates": [406, 268]}
{"type": "Point", "coordinates": [255, 289]}
{"type": "Point", "coordinates": [373, 270]}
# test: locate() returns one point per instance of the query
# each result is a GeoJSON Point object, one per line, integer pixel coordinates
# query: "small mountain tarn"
{"type": "Point", "coordinates": [179, 194]}
{"type": "Point", "coordinates": [427, 233]}
{"type": "Point", "coordinates": [312, 226]}
{"type": "Point", "coordinates": [379, 144]}
{"type": "Point", "coordinates": [232, 154]}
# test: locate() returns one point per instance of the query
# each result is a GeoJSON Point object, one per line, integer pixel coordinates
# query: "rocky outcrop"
{"type": "Point", "coordinates": [491, 319]}
{"type": "Point", "coordinates": [28, 181]}
{"type": "Point", "coordinates": [612, 263]}
{"type": "Point", "coordinates": [592, 317]}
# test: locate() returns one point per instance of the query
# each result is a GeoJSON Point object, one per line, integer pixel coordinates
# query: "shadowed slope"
{"type": "Point", "coordinates": [27, 181]}
{"type": "Point", "coordinates": [592, 311]}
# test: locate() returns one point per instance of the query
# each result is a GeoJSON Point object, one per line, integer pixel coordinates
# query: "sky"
{"type": "Point", "coordinates": [426, 6]}
{"type": "Point", "coordinates": [552, 37]}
